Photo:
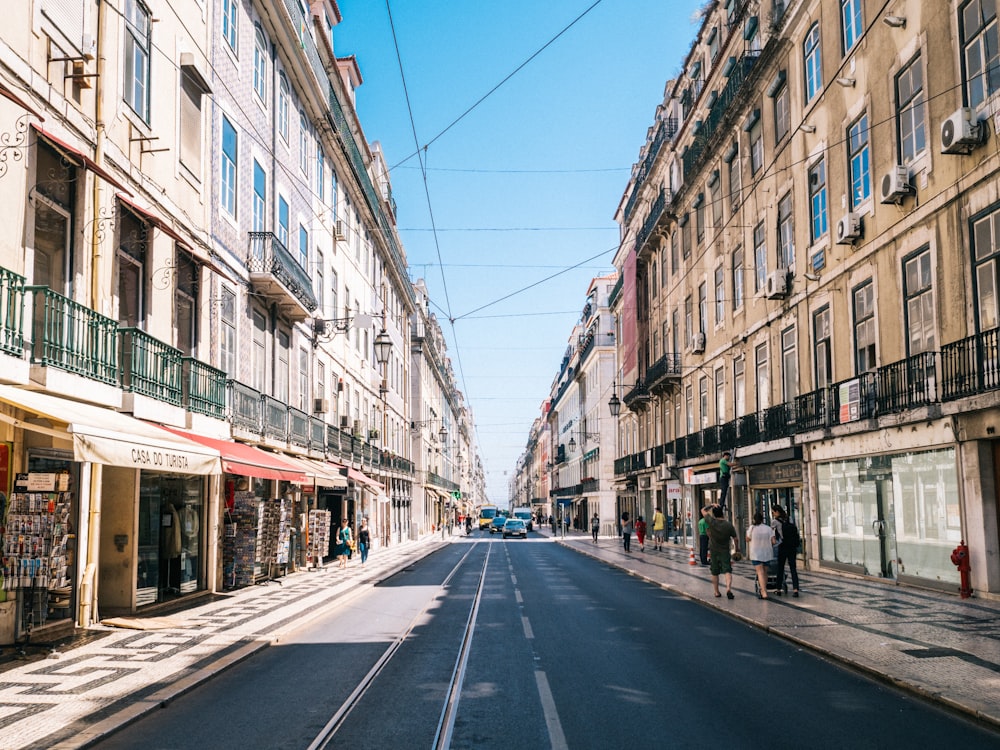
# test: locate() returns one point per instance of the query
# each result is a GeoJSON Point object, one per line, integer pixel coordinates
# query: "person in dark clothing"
{"type": "Point", "coordinates": [364, 541]}
{"type": "Point", "coordinates": [724, 477]}
{"type": "Point", "coordinates": [721, 534]}
{"type": "Point", "coordinates": [788, 547]}
{"type": "Point", "coordinates": [627, 531]}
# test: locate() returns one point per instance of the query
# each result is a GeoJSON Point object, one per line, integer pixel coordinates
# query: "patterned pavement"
{"type": "Point", "coordinates": [931, 643]}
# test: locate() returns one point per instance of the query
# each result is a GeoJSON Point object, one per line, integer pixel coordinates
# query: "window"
{"type": "Point", "coordinates": [334, 283]}
{"type": "Point", "coordinates": [763, 377]}
{"type": "Point", "coordinates": [782, 117]}
{"type": "Point", "coordinates": [320, 173]}
{"type": "Point", "coordinates": [910, 111]}
{"type": "Point", "coordinates": [283, 107]}
{"type": "Point", "coordinates": [981, 50]}
{"type": "Point", "coordinates": [304, 143]}
{"type": "Point", "coordinates": [653, 278]}
{"type": "Point", "coordinates": [756, 149]}
{"type": "Point", "coordinates": [675, 244]}
{"type": "Point", "coordinates": [686, 239]}
{"type": "Point", "coordinates": [813, 64]}
{"type": "Point", "coordinates": [740, 386]}
{"type": "Point", "coordinates": [786, 240]}
{"type": "Point", "coordinates": [822, 349]}
{"type": "Point", "coordinates": [190, 123]}
{"type": "Point", "coordinates": [229, 23]}
{"type": "Point", "coordinates": [720, 294]}
{"type": "Point", "coordinates": [702, 307]}
{"type": "Point", "coordinates": [333, 199]}
{"type": "Point", "coordinates": [850, 18]}
{"type": "Point", "coordinates": [259, 197]}
{"type": "Point", "coordinates": [738, 278]}
{"type": "Point", "coordinates": [320, 283]}
{"type": "Point", "coordinates": [260, 64]}
{"type": "Point", "coordinates": [716, 198]}
{"type": "Point", "coordinates": [689, 407]}
{"type": "Point", "coordinates": [713, 43]}
{"type": "Point", "coordinates": [759, 257]}
{"type": "Point", "coordinates": [675, 329]}
{"type": "Point", "coordinates": [137, 46]}
{"type": "Point", "coordinates": [663, 269]}
{"type": "Point", "coordinates": [735, 185]}
{"type": "Point", "coordinates": [860, 161]}
{"type": "Point", "coordinates": [304, 404]}
{"type": "Point", "coordinates": [258, 361]}
{"type": "Point", "coordinates": [303, 247]}
{"type": "Point", "coordinates": [133, 235]}
{"type": "Point", "coordinates": [817, 200]}
{"type": "Point", "coordinates": [918, 286]}
{"type": "Point", "coordinates": [281, 365]}
{"type": "Point", "coordinates": [703, 400]}
{"type": "Point", "coordinates": [688, 323]}
{"type": "Point", "coordinates": [864, 328]}
{"type": "Point", "coordinates": [185, 303]}
{"type": "Point", "coordinates": [699, 218]}
{"type": "Point", "coordinates": [789, 364]}
{"type": "Point", "coordinates": [986, 257]}
{"type": "Point", "coordinates": [227, 178]}
{"type": "Point", "coordinates": [283, 221]}
{"type": "Point", "coordinates": [720, 395]}
{"type": "Point", "coordinates": [227, 342]}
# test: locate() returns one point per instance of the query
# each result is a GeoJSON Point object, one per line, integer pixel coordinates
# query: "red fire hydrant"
{"type": "Point", "coordinates": [960, 558]}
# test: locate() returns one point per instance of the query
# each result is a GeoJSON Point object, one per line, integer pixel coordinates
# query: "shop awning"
{"type": "Point", "coordinates": [320, 473]}
{"type": "Point", "coordinates": [80, 159]}
{"type": "Point", "coordinates": [109, 437]}
{"type": "Point", "coordinates": [8, 94]}
{"type": "Point", "coordinates": [246, 460]}
{"type": "Point", "coordinates": [359, 477]}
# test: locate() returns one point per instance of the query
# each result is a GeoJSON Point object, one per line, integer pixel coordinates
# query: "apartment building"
{"type": "Point", "coordinates": [206, 309]}
{"type": "Point", "coordinates": [807, 280]}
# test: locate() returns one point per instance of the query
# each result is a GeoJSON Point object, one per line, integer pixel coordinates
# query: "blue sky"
{"type": "Point", "coordinates": [524, 186]}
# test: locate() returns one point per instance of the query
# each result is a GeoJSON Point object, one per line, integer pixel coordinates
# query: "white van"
{"type": "Point", "coordinates": [525, 515]}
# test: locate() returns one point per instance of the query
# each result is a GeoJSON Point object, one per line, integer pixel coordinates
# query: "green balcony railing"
{"type": "Point", "coordinates": [71, 337]}
{"type": "Point", "coordinates": [150, 367]}
{"type": "Point", "coordinates": [204, 388]}
{"type": "Point", "coordinates": [11, 312]}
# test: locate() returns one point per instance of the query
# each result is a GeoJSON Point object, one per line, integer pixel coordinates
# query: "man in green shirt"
{"type": "Point", "coordinates": [703, 540]}
{"type": "Point", "coordinates": [724, 476]}
{"type": "Point", "coordinates": [720, 531]}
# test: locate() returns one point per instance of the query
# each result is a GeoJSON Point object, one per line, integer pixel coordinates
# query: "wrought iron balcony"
{"type": "Point", "coordinates": [204, 388]}
{"type": "Point", "coordinates": [275, 418]}
{"type": "Point", "coordinates": [317, 435]}
{"type": "Point", "coordinates": [278, 276]}
{"type": "Point", "coordinates": [656, 212]}
{"type": "Point", "coordinates": [298, 427]}
{"type": "Point", "coordinates": [11, 312]}
{"type": "Point", "coordinates": [907, 384]}
{"type": "Point", "coordinates": [245, 408]}
{"type": "Point", "coordinates": [637, 398]}
{"type": "Point", "coordinates": [71, 337]}
{"type": "Point", "coordinates": [151, 367]}
{"type": "Point", "coordinates": [971, 365]}
{"type": "Point", "coordinates": [666, 370]}
{"type": "Point", "coordinates": [812, 410]}
{"type": "Point", "coordinates": [440, 482]}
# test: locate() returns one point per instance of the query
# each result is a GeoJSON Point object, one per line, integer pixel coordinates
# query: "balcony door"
{"type": "Point", "coordinates": [52, 253]}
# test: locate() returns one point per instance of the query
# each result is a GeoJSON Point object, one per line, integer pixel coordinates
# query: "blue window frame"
{"type": "Point", "coordinates": [813, 65]}
{"type": "Point", "coordinates": [850, 19]}
{"type": "Point", "coordinates": [229, 23]}
{"type": "Point", "coordinates": [817, 199]}
{"type": "Point", "coordinates": [259, 197]}
{"type": "Point", "coordinates": [859, 161]}
{"type": "Point", "coordinates": [283, 221]}
{"type": "Point", "coordinates": [303, 247]}
{"type": "Point", "coordinates": [227, 177]}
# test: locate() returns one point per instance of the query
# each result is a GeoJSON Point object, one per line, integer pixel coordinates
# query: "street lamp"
{"type": "Point", "coordinates": [584, 437]}
{"type": "Point", "coordinates": [615, 404]}
{"type": "Point", "coordinates": [383, 348]}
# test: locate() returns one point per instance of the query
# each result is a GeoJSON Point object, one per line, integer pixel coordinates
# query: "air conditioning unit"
{"type": "Point", "coordinates": [344, 422]}
{"type": "Point", "coordinates": [699, 343]}
{"type": "Point", "coordinates": [664, 473]}
{"type": "Point", "coordinates": [319, 406]}
{"type": "Point", "coordinates": [669, 460]}
{"type": "Point", "coordinates": [961, 132]}
{"type": "Point", "coordinates": [777, 285]}
{"type": "Point", "coordinates": [849, 229]}
{"type": "Point", "coordinates": [341, 235]}
{"type": "Point", "coordinates": [894, 185]}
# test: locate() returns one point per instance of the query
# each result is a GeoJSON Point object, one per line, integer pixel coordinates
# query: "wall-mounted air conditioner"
{"type": "Point", "coordinates": [341, 235]}
{"type": "Point", "coordinates": [849, 229]}
{"type": "Point", "coordinates": [962, 132]}
{"type": "Point", "coordinates": [319, 406]}
{"type": "Point", "coordinates": [895, 185]}
{"type": "Point", "coordinates": [698, 345]}
{"type": "Point", "coordinates": [777, 285]}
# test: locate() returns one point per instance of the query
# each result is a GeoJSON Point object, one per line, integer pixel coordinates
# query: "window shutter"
{"type": "Point", "coordinates": [67, 17]}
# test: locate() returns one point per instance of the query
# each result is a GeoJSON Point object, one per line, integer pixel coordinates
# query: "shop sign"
{"type": "Point", "coordinates": [850, 401]}
{"type": "Point", "coordinates": [673, 491]}
{"type": "Point", "coordinates": [41, 482]}
{"type": "Point", "coordinates": [789, 472]}
{"type": "Point", "coordinates": [704, 477]}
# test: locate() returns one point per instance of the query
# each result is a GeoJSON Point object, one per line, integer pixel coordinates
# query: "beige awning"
{"type": "Point", "coordinates": [109, 437]}
{"type": "Point", "coordinates": [320, 473]}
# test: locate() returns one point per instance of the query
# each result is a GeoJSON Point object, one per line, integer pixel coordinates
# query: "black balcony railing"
{"type": "Point", "coordinates": [655, 213]}
{"type": "Point", "coordinates": [853, 399]}
{"type": "Point", "coordinates": [244, 410]}
{"type": "Point", "coordinates": [267, 255]}
{"type": "Point", "coordinates": [970, 365]}
{"type": "Point", "coordinates": [907, 384]}
{"type": "Point", "coordinates": [637, 396]}
{"type": "Point", "coordinates": [811, 411]}
{"type": "Point", "coordinates": [275, 418]}
{"type": "Point", "coordinates": [666, 368]}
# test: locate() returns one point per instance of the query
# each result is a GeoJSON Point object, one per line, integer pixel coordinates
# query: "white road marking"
{"type": "Point", "coordinates": [557, 739]}
{"type": "Point", "coordinates": [527, 628]}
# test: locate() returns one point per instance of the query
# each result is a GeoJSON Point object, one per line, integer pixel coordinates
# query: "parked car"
{"type": "Point", "coordinates": [515, 527]}
{"type": "Point", "coordinates": [497, 524]}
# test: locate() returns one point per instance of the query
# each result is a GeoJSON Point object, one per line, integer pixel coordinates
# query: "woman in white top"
{"type": "Point", "coordinates": [761, 541]}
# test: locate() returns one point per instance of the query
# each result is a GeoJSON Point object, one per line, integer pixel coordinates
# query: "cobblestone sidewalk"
{"type": "Point", "coordinates": [933, 644]}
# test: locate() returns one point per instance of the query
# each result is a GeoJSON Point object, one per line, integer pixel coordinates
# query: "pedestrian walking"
{"type": "Point", "coordinates": [627, 528]}
{"type": "Point", "coordinates": [640, 533]}
{"type": "Point", "coordinates": [720, 532]}
{"type": "Point", "coordinates": [595, 526]}
{"type": "Point", "coordinates": [724, 476]}
{"type": "Point", "coordinates": [659, 528]}
{"type": "Point", "coordinates": [760, 538]}
{"type": "Point", "coordinates": [788, 547]}
{"type": "Point", "coordinates": [703, 540]}
{"type": "Point", "coordinates": [552, 523]}
{"type": "Point", "coordinates": [364, 541]}
{"type": "Point", "coordinates": [343, 543]}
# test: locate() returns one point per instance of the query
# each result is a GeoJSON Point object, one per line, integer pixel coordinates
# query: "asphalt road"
{"type": "Point", "coordinates": [566, 653]}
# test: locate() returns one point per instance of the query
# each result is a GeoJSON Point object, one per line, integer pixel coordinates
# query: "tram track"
{"type": "Point", "coordinates": [446, 722]}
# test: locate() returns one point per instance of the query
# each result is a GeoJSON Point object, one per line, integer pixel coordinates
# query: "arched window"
{"type": "Point", "coordinates": [260, 64]}
{"type": "Point", "coordinates": [283, 107]}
